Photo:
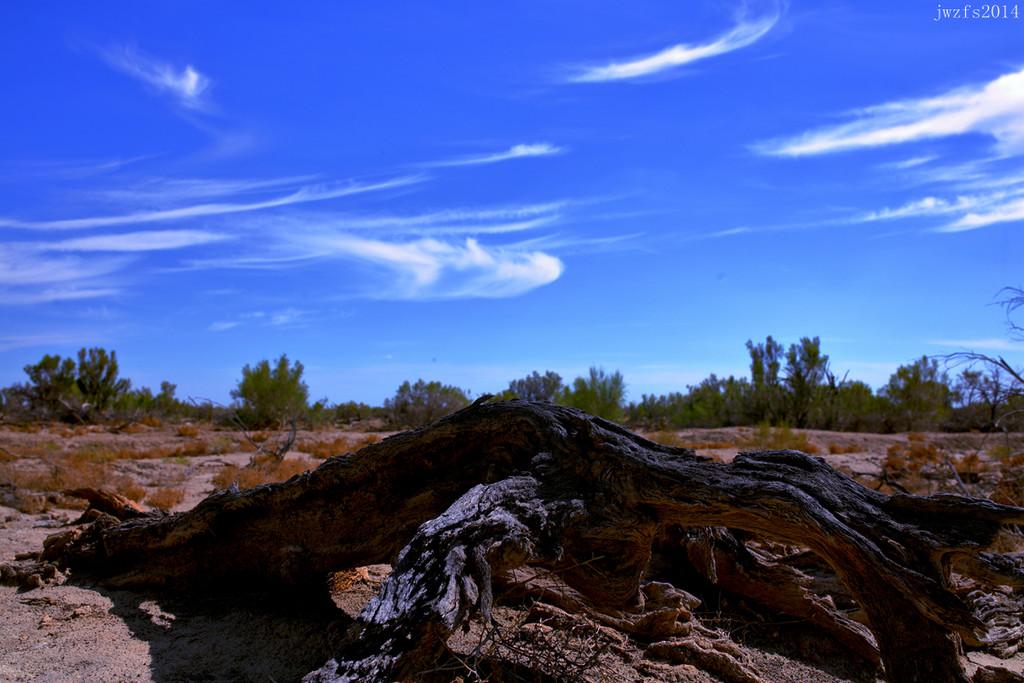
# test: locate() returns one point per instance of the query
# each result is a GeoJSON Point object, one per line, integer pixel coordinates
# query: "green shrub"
{"type": "Point", "coordinates": [268, 396]}
{"type": "Point", "coordinates": [537, 387]}
{"type": "Point", "coordinates": [97, 381]}
{"type": "Point", "coordinates": [598, 393]}
{"type": "Point", "coordinates": [418, 404]}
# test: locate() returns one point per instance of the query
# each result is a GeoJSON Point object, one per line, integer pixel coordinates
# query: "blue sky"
{"type": "Point", "coordinates": [472, 191]}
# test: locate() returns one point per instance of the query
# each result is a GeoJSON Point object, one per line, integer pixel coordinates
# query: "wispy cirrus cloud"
{"type": "Point", "coordinates": [27, 277]}
{"type": "Point", "coordinates": [435, 254]}
{"type": "Point", "coordinates": [1006, 212]}
{"type": "Point", "coordinates": [434, 269]}
{"type": "Point", "coordinates": [54, 294]}
{"type": "Point", "coordinates": [912, 162]}
{"type": "Point", "coordinates": [20, 267]}
{"type": "Point", "coordinates": [745, 33]}
{"type": "Point", "coordinates": [153, 240]}
{"type": "Point", "coordinates": [223, 325]}
{"type": "Point", "coordinates": [9, 342]}
{"type": "Point", "coordinates": [458, 221]}
{"type": "Point", "coordinates": [926, 206]}
{"type": "Point", "coordinates": [185, 84]}
{"type": "Point", "coordinates": [169, 191]}
{"type": "Point", "coordinates": [310, 193]}
{"type": "Point", "coordinates": [66, 169]}
{"type": "Point", "coordinates": [421, 268]}
{"type": "Point", "coordinates": [975, 211]}
{"type": "Point", "coordinates": [995, 109]}
{"type": "Point", "coordinates": [521, 151]}
{"type": "Point", "coordinates": [286, 317]}
{"type": "Point", "coordinates": [969, 194]}
{"type": "Point", "coordinates": [988, 344]}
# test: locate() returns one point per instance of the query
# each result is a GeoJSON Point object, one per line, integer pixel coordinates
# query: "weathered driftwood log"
{"type": "Point", "coordinates": [500, 485]}
{"type": "Point", "coordinates": [108, 502]}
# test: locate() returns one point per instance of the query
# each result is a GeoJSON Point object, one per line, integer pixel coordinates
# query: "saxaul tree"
{"type": "Point", "coordinates": [467, 506]}
{"type": "Point", "coordinates": [1009, 376]}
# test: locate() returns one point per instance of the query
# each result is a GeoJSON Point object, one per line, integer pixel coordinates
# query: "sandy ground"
{"type": "Point", "coordinates": [86, 633]}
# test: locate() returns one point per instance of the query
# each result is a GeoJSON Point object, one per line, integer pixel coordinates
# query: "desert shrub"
{"type": "Point", "coordinates": [838, 449]}
{"type": "Point", "coordinates": [766, 395]}
{"type": "Point", "coordinates": [323, 448]}
{"type": "Point", "coordinates": [415, 405]}
{"type": "Point", "coordinates": [51, 384]}
{"type": "Point", "coordinates": [806, 371]}
{"type": "Point", "coordinates": [129, 488]}
{"type": "Point", "coordinates": [677, 440]}
{"type": "Point", "coordinates": [714, 402]}
{"type": "Point", "coordinates": [188, 430]}
{"type": "Point", "coordinates": [969, 467]}
{"type": "Point", "coordinates": [165, 498]}
{"type": "Point", "coordinates": [97, 380]}
{"type": "Point", "coordinates": [598, 393]}
{"type": "Point", "coordinates": [352, 411]}
{"type": "Point", "coordinates": [327, 448]}
{"type": "Point", "coordinates": [857, 408]}
{"type": "Point", "coordinates": [919, 396]}
{"type": "Point", "coordinates": [914, 465]}
{"type": "Point", "coordinates": [319, 415]}
{"type": "Point", "coordinates": [58, 472]}
{"type": "Point", "coordinates": [262, 470]}
{"type": "Point", "coordinates": [537, 387]}
{"type": "Point", "coordinates": [269, 396]}
{"type": "Point", "coordinates": [365, 441]}
{"type": "Point", "coordinates": [57, 388]}
{"type": "Point", "coordinates": [781, 438]}
{"type": "Point", "coordinates": [1010, 489]}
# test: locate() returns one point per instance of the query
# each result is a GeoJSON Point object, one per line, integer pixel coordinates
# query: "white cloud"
{"type": "Point", "coordinates": [492, 221]}
{"type": "Point", "coordinates": [912, 162]}
{"type": "Point", "coordinates": [281, 318]}
{"type": "Point", "coordinates": [155, 240]}
{"type": "Point", "coordinates": [30, 277]}
{"type": "Point", "coordinates": [729, 232]}
{"type": "Point", "coordinates": [977, 210]}
{"type": "Point", "coordinates": [162, 191]}
{"type": "Point", "coordinates": [990, 344]}
{"type": "Point", "coordinates": [20, 267]}
{"type": "Point", "coordinates": [286, 317]}
{"type": "Point", "coordinates": [31, 273]}
{"type": "Point", "coordinates": [995, 109]}
{"type": "Point", "coordinates": [310, 193]}
{"type": "Point", "coordinates": [65, 169]}
{"type": "Point", "coordinates": [184, 84]}
{"type": "Point", "coordinates": [429, 268]}
{"type": "Point", "coordinates": [53, 294]}
{"type": "Point", "coordinates": [539, 149]}
{"type": "Point", "coordinates": [1007, 212]}
{"type": "Point", "coordinates": [8, 343]}
{"type": "Point", "coordinates": [743, 34]}
{"type": "Point", "coordinates": [928, 206]}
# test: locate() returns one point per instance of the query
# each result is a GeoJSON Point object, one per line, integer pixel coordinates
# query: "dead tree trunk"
{"type": "Point", "coordinates": [501, 485]}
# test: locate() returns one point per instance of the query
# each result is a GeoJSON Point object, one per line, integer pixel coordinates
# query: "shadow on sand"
{"type": "Point", "coordinates": [244, 638]}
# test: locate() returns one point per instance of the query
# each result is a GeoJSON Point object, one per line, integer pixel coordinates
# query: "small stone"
{"type": "Point", "coordinates": [31, 581]}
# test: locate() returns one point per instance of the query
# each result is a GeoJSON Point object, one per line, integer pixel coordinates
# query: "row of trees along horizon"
{"type": "Point", "coordinates": [792, 386]}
